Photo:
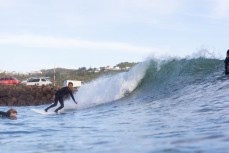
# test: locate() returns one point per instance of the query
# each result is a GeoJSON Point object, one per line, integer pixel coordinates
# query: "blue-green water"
{"type": "Point", "coordinates": [173, 106]}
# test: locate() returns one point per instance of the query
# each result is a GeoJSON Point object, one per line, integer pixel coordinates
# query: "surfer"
{"type": "Point", "coordinates": [11, 113]}
{"type": "Point", "coordinates": [226, 62]}
{"type": "Point", "coordinates": [59, 96]}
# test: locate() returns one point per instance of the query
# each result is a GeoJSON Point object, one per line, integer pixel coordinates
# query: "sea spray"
{"type": "Point", "coordinates": [109, 88]}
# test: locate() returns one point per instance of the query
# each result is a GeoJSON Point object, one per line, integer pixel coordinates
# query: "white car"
{"type": "Point", "coordinates": [37, 81]}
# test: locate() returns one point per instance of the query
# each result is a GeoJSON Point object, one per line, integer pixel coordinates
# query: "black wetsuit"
{"type": "Point", "coordinates": [59, 96]}
{"type": "Point", "coordinates": [226, 62]}
{"type": "Point", "coordinates": [4, 114]}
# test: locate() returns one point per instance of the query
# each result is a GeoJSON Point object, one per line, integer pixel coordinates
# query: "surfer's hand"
{"type": "Point", "coordinates": [75, 102]}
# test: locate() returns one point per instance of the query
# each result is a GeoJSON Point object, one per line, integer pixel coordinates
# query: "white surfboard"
{"type": "Point", "coordinates": [51, 111]}
{"type": "Point", "coordinates": [41, 111]}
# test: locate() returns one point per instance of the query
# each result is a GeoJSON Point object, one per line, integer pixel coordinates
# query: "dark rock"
{"type": "Point", "coordinates": [21, 95]}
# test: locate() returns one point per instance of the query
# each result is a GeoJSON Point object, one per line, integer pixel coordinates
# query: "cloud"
{"type": "Point", "coordinates": [69, 43]}
{"type": "Point", "coordinates": [116, 12]}
{"type": "Point", "coordinates": [4, 3]}
{"type": "Point", "coordinates": [153, 6]}
{"type": "Point", "coordinates": [221, 8]}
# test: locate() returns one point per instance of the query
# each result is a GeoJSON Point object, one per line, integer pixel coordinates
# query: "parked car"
{"type": "Point", "coordinates": [8, 80]}
{"type": "Point", "coordinates": [37, 81]}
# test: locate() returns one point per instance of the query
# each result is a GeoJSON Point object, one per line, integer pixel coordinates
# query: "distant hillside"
{"type": "Point", "coordinates": [82, 74]}
{"type": "Point", "coordinates": [125, 64]}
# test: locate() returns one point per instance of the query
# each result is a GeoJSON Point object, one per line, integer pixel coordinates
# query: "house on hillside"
{"type": "Point", "coordinates": [127, 68]}
{"type": "Point", "coordinates": [116, 68]}
{"type": "Point", "coordinates": [107, 67]}
{"type": "Point", "coordinates": [97, 70]}
{"type": "Point", "coordinates": [1, 71]}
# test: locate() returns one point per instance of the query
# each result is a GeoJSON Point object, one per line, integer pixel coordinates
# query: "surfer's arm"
{"type": "Point", "coordinates": [3, 114]}
{"type": "Point", "coordinates": [73, 97]}
{"type": "Point", "coordinates": [226, 61]}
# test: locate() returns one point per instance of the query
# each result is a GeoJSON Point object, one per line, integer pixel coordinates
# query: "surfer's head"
{"type": "Point", "coordinates": [228, 52]}
{"type": "Point", "coordinates": [70, 85]}
{"type": "Point", "coordinates": [12, 113]}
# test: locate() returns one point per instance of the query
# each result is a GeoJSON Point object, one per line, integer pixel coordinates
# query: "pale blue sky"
{"type": "Point", "coordinates": [38, 34]}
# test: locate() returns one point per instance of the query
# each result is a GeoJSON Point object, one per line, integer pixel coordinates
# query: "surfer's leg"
{"type": "Point", "coordinates": [53, 105]}
{"type": "Point", "coordinates": [61, 104]}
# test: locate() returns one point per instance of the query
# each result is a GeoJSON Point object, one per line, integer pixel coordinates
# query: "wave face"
{"type": "Point", "coordinates": [151, 80]}
{"type": "Point", "coordinates": [168, 78]}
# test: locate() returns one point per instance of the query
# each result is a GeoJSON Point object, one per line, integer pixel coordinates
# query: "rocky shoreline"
{"type": "Point", "coordinates": [22, 95]}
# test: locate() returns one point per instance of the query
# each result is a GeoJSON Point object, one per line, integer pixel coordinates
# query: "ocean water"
{"type": "Point", "coordinates": [159, 106]}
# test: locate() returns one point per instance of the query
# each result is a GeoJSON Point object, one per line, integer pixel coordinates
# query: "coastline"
{"type": "Point", "coordinates": [23, 95]}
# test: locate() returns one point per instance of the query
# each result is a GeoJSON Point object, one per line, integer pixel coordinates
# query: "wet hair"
{"type": "Point", "coordinates": [70, 83]}
{"type": "Point", "coordinates": [228, 52]}
{"type": "Point", "coordinates": [11, 111]}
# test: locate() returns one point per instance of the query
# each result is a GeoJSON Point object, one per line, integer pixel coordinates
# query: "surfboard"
{"type": "Point", "coordinates": [50, 112]}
